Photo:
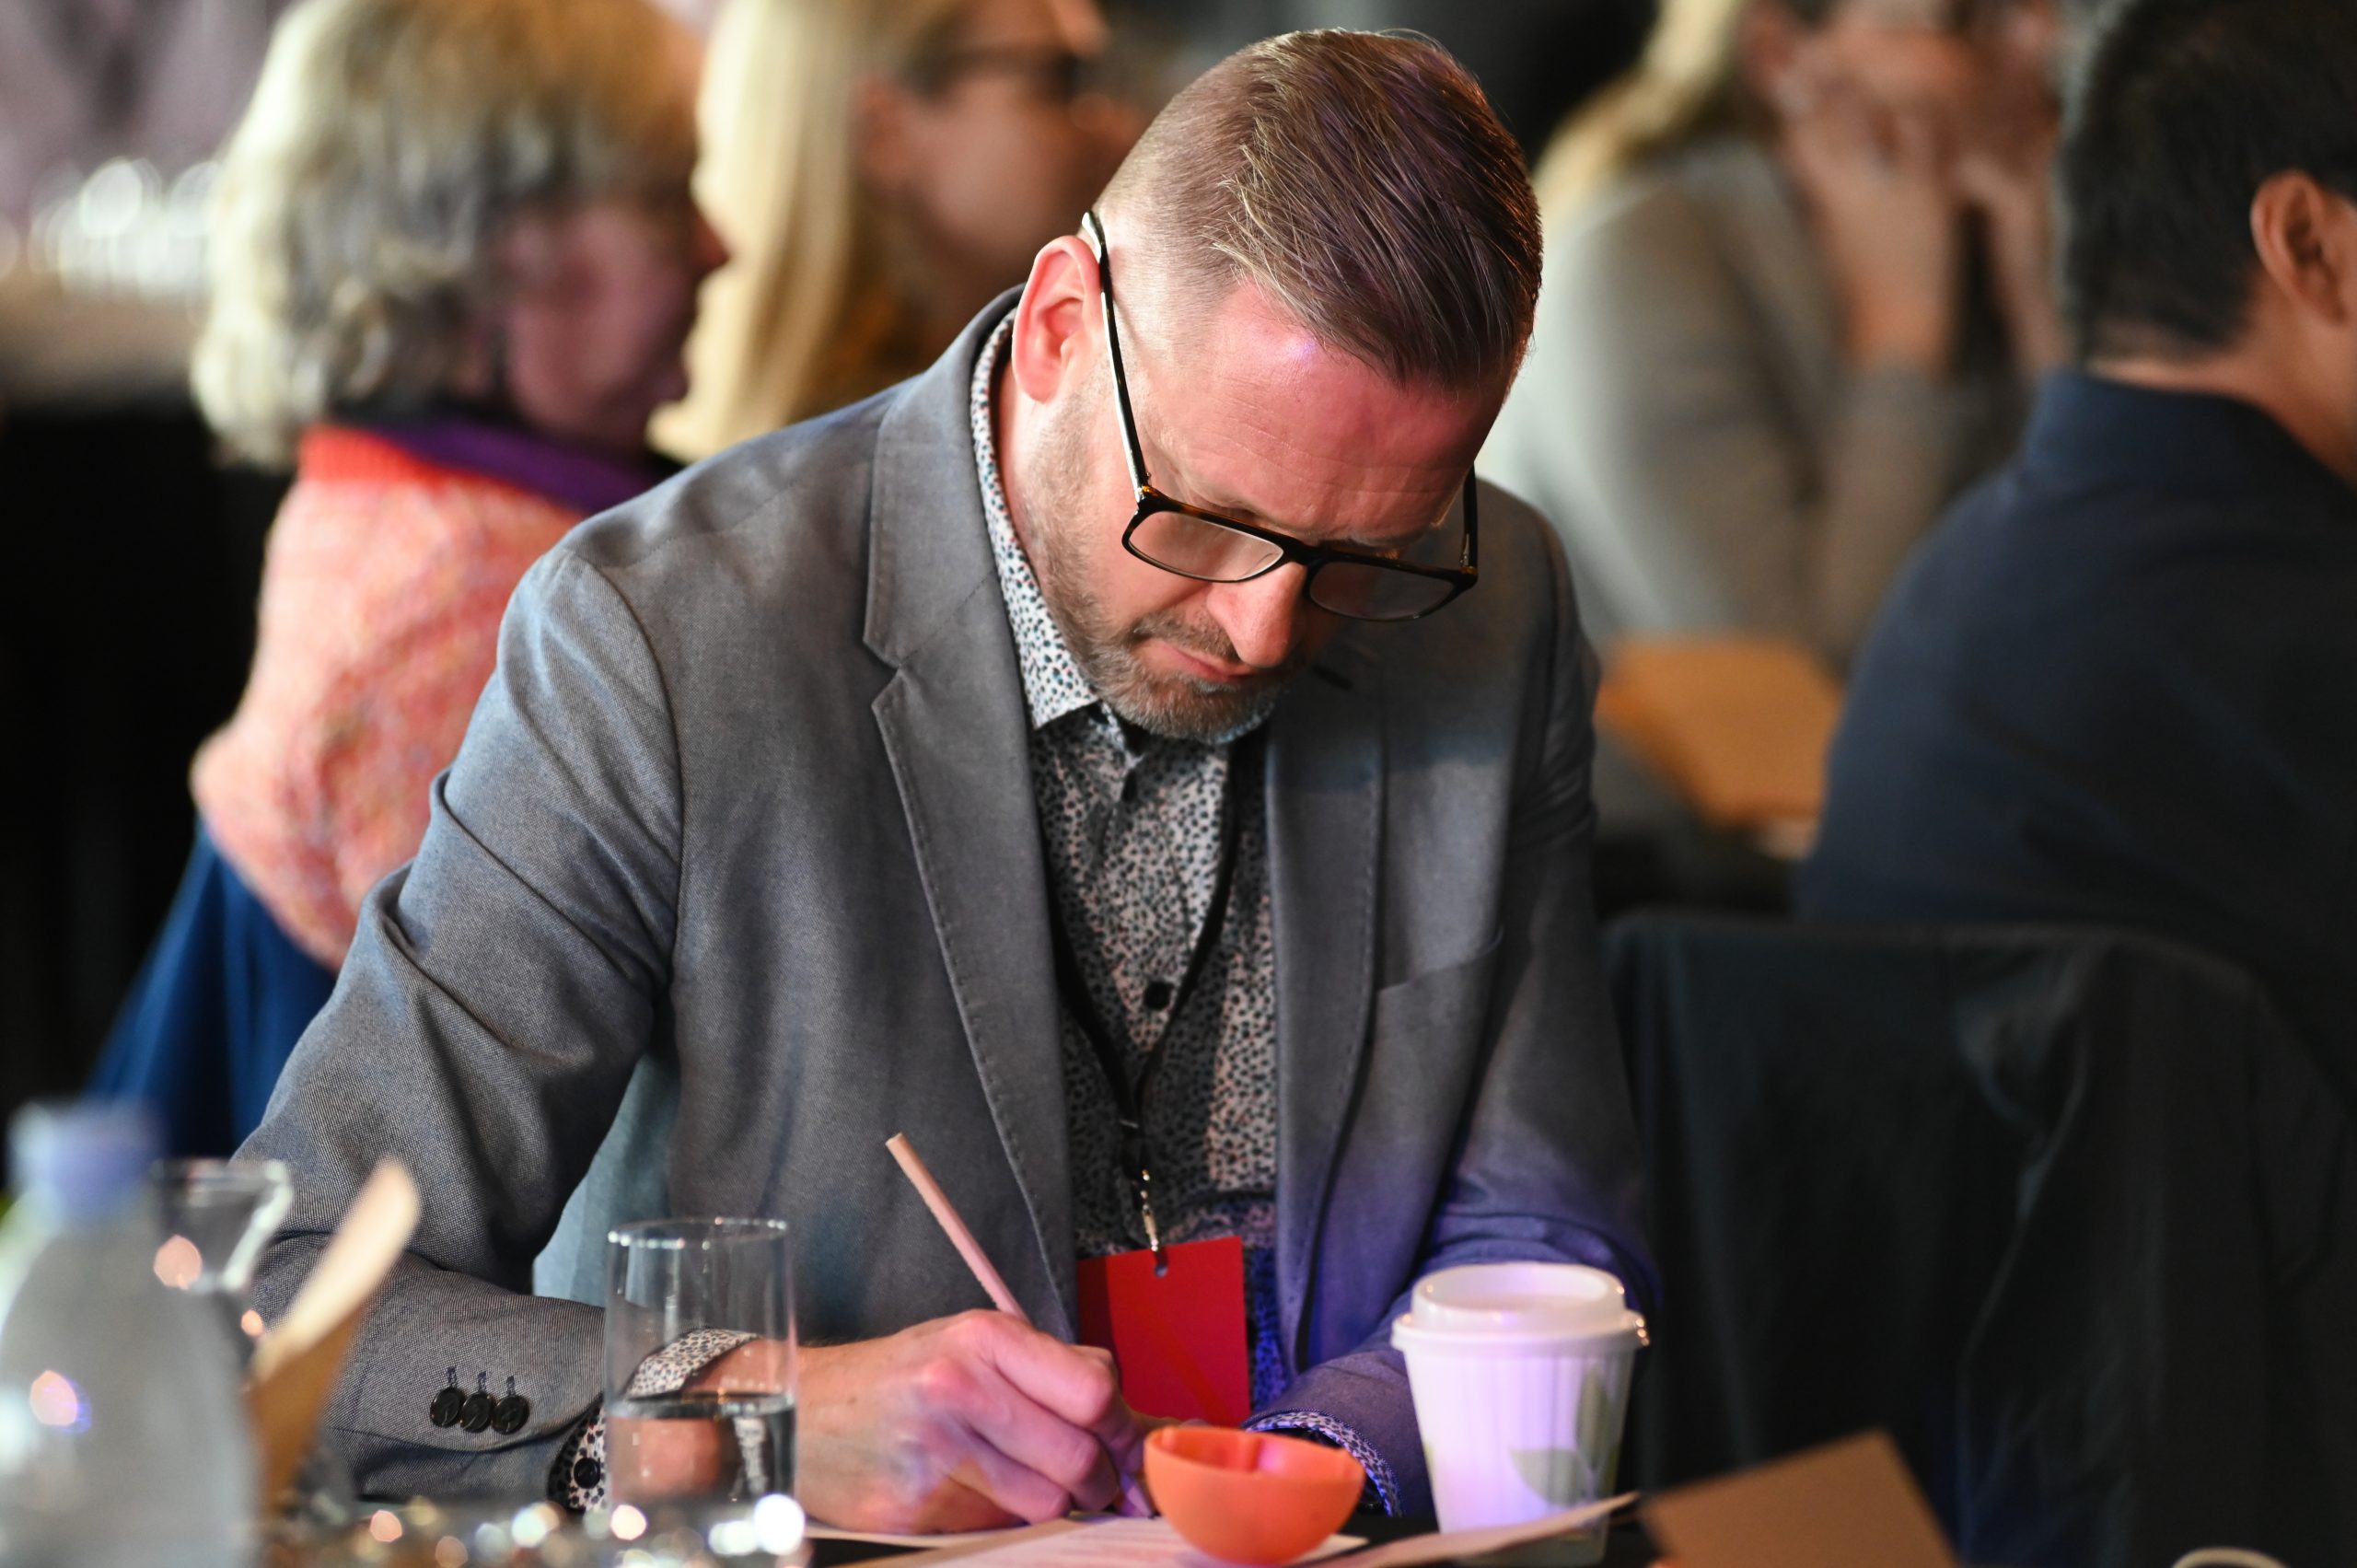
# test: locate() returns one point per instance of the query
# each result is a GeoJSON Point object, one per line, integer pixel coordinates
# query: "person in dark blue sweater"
{"type": "Point", "coordinates": [2119, 685]}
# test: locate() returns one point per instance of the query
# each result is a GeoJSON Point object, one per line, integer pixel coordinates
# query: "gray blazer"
{"type": "Point", "coordinates": [1685, 419]}
{"type": "Point", "coordinates": [747, 802]}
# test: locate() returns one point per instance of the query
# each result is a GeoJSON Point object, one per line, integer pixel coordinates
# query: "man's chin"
{"type": "Point", "coordinates": [1181, 708]}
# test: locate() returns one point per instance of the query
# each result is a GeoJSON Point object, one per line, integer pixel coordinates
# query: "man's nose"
{"type": "Point", "coordinates": [1258, 616]}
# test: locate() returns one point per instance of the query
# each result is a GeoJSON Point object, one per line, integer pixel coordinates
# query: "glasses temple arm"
{"type": "Point", "coordinates": [1093, 227]}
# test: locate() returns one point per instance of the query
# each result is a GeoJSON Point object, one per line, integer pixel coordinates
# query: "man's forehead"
{"type": "Point", "coordinates": [1248, 408]}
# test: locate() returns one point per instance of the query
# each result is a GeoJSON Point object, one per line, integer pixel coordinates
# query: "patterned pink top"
{"type": "Point", "coordinates": [382, 592]}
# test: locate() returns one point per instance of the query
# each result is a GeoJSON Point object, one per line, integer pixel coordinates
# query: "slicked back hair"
{"type": "Point", "coordinates": [2182, 110]}
{"type": "Point", "coordinates": [1363, 183]}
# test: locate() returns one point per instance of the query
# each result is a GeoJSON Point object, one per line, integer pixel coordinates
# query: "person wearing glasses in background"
{"type": "Point", "coordinates": [1076, 759]}
{"type": "Point", "coordinates": [881, 169]}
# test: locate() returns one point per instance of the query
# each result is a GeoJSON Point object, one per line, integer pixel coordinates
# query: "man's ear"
{"type": "Point", "coordinates": [2306, 239]}
{"type": "Point", "coordinates": [1053, 344]}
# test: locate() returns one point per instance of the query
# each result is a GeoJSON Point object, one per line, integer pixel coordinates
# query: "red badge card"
{"type": "Point", "coordinates": [1177, 1336]}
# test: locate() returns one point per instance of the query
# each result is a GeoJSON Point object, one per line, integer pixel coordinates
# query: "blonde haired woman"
{"type": "Point", "coordinates": [881, 168]}
{"type": "Point", "coordinates": [1795, 288]}
{"type": "Point", "coordinates": [456, 261]}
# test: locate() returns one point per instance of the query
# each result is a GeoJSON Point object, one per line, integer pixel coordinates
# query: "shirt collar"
{"type": "Point", "coordinates": [2092, 429]}
{"type": "Point", "coordinates": [1052, 682]}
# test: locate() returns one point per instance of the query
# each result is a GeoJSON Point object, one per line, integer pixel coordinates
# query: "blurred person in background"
{"type": "Point", "coordinates": [881, 168]}
{"type": "Point", "coordinates": [1796, 285]}
{"type": "Point", "coordinates": [456, 258]}
{"type": "Point", "coordinates": [2116, 687]}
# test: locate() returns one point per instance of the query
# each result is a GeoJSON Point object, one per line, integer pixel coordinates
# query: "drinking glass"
{"type": "Point", "coordinates": [692, 1414]}
{"type": "Point", "coordinates": [217, 1216]}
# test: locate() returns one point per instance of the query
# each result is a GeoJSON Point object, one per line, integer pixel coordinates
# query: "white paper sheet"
{"type": "Point", "coordinates": [1100, 1542]}
{"type": "Point", "coordinates": [947, 1539]}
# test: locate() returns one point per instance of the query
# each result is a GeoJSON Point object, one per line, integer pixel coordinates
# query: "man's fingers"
{"type": "Point", "coordinates": [1016, 1488]}
{"type": "Point", "coordinates": [954, 1506]}
{"type": "Point", "coordinates": [1124, 1435]}
{"type": "Point", "coordinates": [1046, 1444]}
{"type": "Point", "coordinates": [956, 1418]}
{"type": "Point", "coordinates": [1081, 1385]}
{"type": "Point", "coordinates": [1077, 1383]}
{"type": "Point", "coordinates": [1006, 1413]}
{"type": "Point", "coordinates": [991, 1473]}
{"type": "Point", "coordinates": [960, 1507]}
{"type": "Point", "coordinates": [1120, 1428]}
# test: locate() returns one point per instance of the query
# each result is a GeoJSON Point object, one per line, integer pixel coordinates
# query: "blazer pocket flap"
{"type": "Point", "coordinates": [1438, 998]}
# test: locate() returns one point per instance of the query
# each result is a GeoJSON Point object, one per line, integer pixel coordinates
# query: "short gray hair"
{"type": "Point", "coordinates": [1361, 181]}
{"type": "Point", "coordinates": [389, 144]}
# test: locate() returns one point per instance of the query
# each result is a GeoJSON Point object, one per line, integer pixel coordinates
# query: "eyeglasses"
{"type": "Point", "coordinates": [1209, 548]}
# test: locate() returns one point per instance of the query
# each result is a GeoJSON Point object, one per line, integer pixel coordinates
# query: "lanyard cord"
{"type": "Point", "coordinates": [1111, 1039]}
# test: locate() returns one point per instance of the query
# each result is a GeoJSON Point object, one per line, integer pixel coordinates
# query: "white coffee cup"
{"type": "Point", "coordinates": [1520, 1375]}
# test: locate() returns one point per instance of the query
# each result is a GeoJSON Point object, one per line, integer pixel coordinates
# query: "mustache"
{"type": "Point", "coordinates": [1207, 642]}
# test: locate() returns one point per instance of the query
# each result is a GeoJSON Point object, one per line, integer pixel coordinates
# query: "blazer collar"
{"type": "Point", "coordinates": [953, 723]}
{"type": "Point", "coordinates": [930, 549]}
{"type": "Point", "coordinates": [2091, 429]}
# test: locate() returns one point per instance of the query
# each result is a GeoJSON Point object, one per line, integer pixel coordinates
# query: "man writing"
{"type": "Point", "coordinates": [1074, 758]}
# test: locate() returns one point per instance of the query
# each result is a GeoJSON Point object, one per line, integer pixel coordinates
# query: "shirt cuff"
{"type": "Point", "coordinates": [1382, 1487]}
{"type": "Point", "coordinates": [577, 1478]}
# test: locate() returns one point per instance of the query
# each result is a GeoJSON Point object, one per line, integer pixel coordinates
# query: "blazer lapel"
{"type": "Point", "coordinates": [1325, 809]}
{"type": "Point", "coordinates": [954, 724]}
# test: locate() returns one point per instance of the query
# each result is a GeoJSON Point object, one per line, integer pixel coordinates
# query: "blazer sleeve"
{"type": "Point", "coordinates": [1651, 426]}
{"type": "Point", "coordinates": [495, 1000]}
{"type": "Point", "coordinates": [1547, 1163]}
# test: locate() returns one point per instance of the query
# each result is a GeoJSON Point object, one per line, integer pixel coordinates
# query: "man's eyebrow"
{"type": "Point", "coordinates": [1213, 500]}
{"type": "Point", "coordinates": [1210, 500]}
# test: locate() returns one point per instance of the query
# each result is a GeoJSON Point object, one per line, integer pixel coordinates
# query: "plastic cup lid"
{"type": "Point", "coordinates": [1492, 1302]}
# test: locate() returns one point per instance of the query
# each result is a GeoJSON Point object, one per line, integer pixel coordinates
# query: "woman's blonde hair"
{"type": "Point", "coordinates": [1687, 85]}
{"type": "Point", "coordinates": [807, 315]}
{"type": "Point", "coordinates": [389, 144]}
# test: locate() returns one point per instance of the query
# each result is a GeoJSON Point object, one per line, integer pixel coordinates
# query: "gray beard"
{"type": "Point", "coordinates": [1174, 706]}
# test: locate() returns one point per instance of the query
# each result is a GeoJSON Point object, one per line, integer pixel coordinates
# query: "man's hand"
{"type": "Point", "coordinates": [961, 1424]}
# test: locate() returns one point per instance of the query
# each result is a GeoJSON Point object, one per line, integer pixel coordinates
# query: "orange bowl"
{"type": "Point", "coordinates": [1250, 1497]}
